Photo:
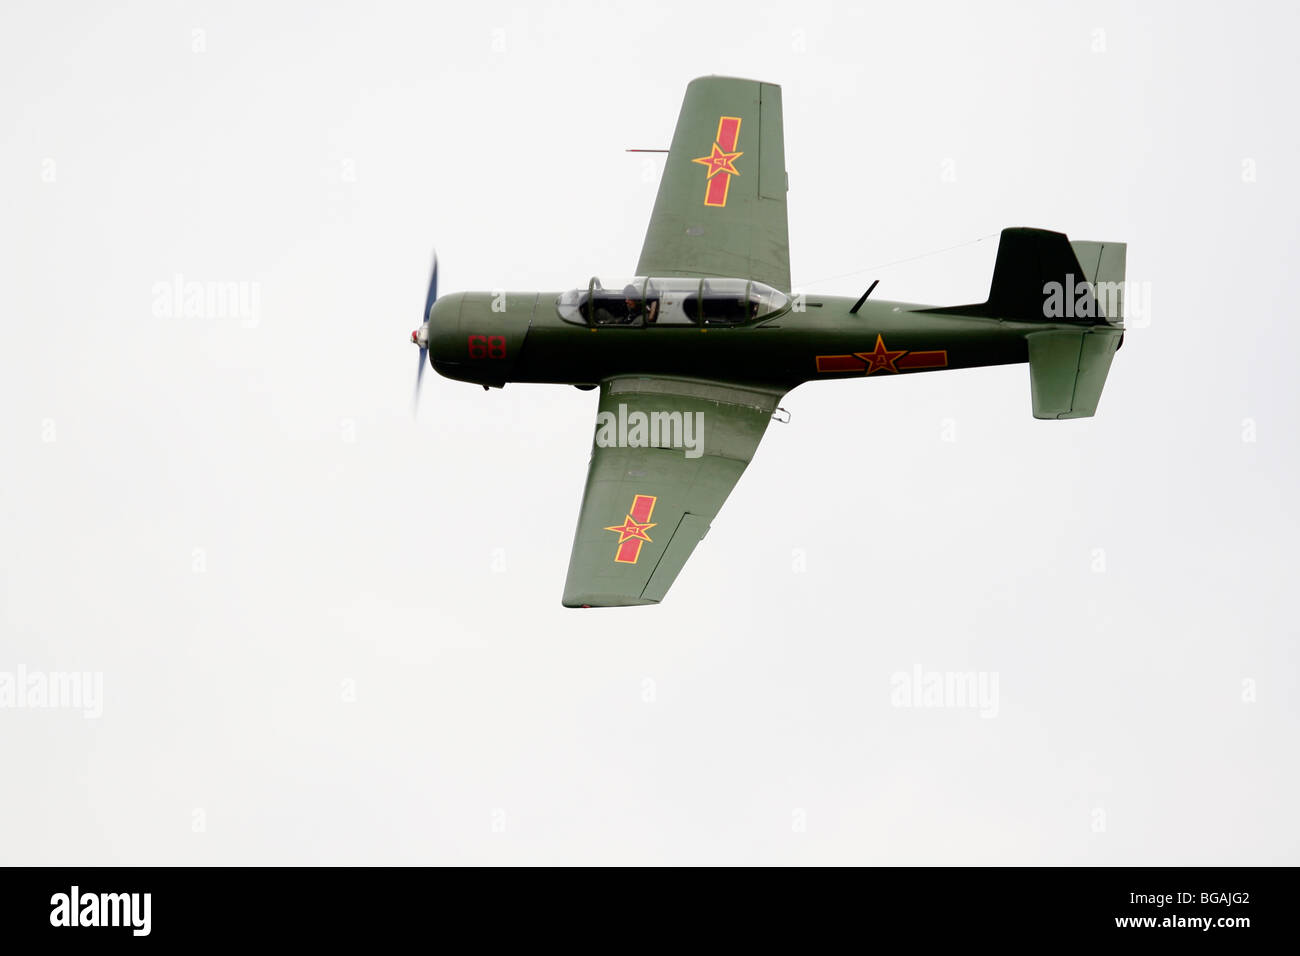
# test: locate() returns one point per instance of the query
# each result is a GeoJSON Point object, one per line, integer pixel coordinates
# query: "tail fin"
{"type": "Point", "coordinates": [1043, 277]}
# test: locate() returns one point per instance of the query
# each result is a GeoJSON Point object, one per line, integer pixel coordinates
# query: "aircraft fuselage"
{"type": "Point", "coordinates": [494, 338]}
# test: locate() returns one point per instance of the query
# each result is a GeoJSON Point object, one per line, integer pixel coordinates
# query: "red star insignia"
{"type": "Point", "coordinates": [631, 530]}
{"type": "Point", "coordinates": [719, 161]}
{"type": "Point", "coordinates": [881, 358]}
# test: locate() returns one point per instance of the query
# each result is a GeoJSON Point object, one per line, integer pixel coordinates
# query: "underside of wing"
{"type": "Point", "coordinates": [666, 454]}
{"type": "Point", "coordinates": [721, 208]}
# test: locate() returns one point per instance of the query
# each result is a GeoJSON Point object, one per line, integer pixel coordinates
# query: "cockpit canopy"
{"type": "Point", "coordinates": [677, 302]}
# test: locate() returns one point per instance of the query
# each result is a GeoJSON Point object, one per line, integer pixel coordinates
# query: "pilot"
{"type": "Point", "coordinates": [635, 311]}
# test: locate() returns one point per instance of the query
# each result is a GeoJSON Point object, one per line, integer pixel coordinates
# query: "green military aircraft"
{"type": "Point", "coordinates": [693, 354]}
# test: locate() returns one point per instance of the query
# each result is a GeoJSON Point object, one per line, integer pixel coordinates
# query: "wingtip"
{"type": "Point", "coordinates": [735, 79]}
{"type": "Point", "coordinates": [604, 600]}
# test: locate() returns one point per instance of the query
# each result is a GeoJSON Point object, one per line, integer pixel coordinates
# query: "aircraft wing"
{"type": "Point", "coordinates": [656, 481]}
{"type": "Point", "coordinates": [721, 204]}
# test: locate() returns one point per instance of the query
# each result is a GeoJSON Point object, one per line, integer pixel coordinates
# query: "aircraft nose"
{"type": "Point", "coordinates": [440, 330]}
{"type": "Point", "coordinates": [438, 318]}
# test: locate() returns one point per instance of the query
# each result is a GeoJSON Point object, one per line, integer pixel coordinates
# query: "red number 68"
{"type": "Point", "coordinates": [487, 346]}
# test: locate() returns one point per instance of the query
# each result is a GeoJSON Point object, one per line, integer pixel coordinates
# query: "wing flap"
{"type": "Point", "coordinates": [690, 532]}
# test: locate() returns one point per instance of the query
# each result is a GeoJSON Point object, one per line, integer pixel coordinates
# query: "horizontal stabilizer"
{"type": "Point", "coordinates": [1067, 370]}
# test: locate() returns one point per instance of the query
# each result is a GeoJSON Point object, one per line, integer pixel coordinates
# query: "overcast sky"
{"type": "Point", "coordinates": [329, 633]}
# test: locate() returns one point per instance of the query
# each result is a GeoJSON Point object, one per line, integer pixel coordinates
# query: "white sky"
{"type": "Point", "coordinates": [320, 151]}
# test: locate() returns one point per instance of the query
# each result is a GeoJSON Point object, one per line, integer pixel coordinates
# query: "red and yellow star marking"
{"type": "Point", "coordinates": [633, 529]}
{"type": "Point", "coordinates": [882, 359]}
{"type": "Point", "coordinates": [721, 161]}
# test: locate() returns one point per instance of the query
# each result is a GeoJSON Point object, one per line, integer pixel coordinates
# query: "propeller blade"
{"type": "Point", "coordinates": [429, 299]}
{"type": "Point", "coordinates": [419, 379]}
{"type": "Point", "coordinates": [433, 290]}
